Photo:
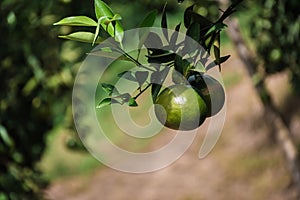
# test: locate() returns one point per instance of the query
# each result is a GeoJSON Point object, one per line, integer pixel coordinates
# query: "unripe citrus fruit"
{"type": "Point", "coordinates": [180, 107]}
{"type": "Point", "coordinates": [211, 91]}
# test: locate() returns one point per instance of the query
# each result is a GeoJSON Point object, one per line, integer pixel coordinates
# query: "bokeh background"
{"type": "Point", "coordinates": [42, 157]}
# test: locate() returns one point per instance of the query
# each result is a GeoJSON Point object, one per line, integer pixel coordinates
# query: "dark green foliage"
{"type": "Point", "coordinates": [34, 93]}
{"type": "Point", "coordinates": [276, 33]}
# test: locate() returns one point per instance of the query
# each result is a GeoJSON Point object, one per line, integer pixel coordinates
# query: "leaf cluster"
{"type": "Point", "coordinates": [165, 52]}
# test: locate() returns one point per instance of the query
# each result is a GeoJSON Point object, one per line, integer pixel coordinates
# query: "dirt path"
{"type": "Point", "coordinates": [243, 165]}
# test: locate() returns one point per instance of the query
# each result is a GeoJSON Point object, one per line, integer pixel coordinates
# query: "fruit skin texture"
{"type": "Point", "coordinates": [211, 91]}
{"type": "Point", "coordinates": [180, 107]}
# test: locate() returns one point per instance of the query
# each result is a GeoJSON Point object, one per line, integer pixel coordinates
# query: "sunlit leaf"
{"type": "Point", "coordinates": [76, 21]}
{"type": "Point", "coordinates": [102, 10]}
{"type": "Point", "coordinates": [82, 36]}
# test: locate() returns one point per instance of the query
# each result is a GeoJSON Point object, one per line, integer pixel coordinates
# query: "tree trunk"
{"type": "Point", "coordinates": [273, 116]}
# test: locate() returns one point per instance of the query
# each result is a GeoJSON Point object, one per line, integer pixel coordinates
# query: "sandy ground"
{"type": "Point", "coordinates": [245, 163]}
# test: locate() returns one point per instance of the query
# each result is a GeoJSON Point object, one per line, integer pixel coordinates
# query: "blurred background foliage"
{"type": "Point", "coordinates": [275, 30]}
{"type": "Point", "coordinates": [38, 69]}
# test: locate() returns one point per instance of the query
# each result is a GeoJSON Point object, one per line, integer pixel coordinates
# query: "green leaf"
{"type": "Point", "coordinates": [141, 77]}
{"type": "Point", "coordinates": [109, 89]}
{"type": "Point", "coordinates": [188, 16]}
{"type": "Point", "coordinates": [215, 62]}
{"type": "Point", "coordinates": [127, 75]}
{"type": "Point", "coordinates": [5, 137]}
{"type": "Point", "coordinates": [103, 11]}
{"type": "Point", "coordinates": [194, 31]}
{"type": "Point", "coordinates": [76, 21]}
{"type": "Point", "coordinates": [106, 102]}
{"type": "Point", "coordinates": [223, 59]}
{"type": "Point", "coordinates": [132, 102]}
{"type": "Point", "coordinates": [149, 20]}
{"type": "Point", "coordinates": [82, 36]}
{"type": "Point", "coordinates": [164, 23]}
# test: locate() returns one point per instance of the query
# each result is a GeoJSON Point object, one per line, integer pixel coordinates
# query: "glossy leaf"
{"type": "Point", "coordinates": [76, 21]}
{"type": "Point", "coordinates": [106, 102]}
{"type": "Point", "coordinates": [103, 11]}
{"type": "Point", "coordinates": [82, 36]}
{"type": "Point", "coordinates": [141, 77]}
{"type": "Point", "coordinates": [164, 23]}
